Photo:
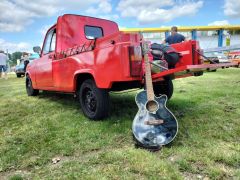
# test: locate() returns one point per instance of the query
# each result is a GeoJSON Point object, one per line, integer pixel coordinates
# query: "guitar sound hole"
{"type": "Point", "coordinates": [152, 106]}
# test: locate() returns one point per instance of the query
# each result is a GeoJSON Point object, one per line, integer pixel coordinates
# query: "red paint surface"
{"type": "Point", "coordinates": [188, 52]}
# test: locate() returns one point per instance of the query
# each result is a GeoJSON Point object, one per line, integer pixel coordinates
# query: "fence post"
{"type": "Point", "coordinates": [166, 34]}
{"type": "Point", "coordinates": [194, 34]}
{"type": "Point", "coordinates": [220, 37]}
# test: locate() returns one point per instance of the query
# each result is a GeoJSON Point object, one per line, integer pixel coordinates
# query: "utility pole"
{"type": "Point", "coordinates": [8, 65]}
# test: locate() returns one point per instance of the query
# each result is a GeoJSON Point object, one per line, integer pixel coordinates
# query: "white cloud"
{"type": "Point", "coordinates": [122, 27]}
{"type": "Point", "coordinates": [44, 30]}
{"type": "Point", "coordinates": [15, 15]}
{"type": "Point", "coordinates": [219, 23]}
{"type": "Point", "coordinates": [102, 10]}
{"type": "Point", "coordinates": [13, 47]}
{"type": "Point", "coordinates": [112, 17]}
{"type": "Point", "coordinates": [231, 8]}
{"type": "Point", "coordinates": [131, 8]}
{"type": "Point", "coordinates": [154, 11]}
{"type": "Point", "coordinates": [104, 7]}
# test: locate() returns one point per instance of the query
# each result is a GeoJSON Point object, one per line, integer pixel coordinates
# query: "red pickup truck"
{"type": "Point", "coordinates": [89, 57]}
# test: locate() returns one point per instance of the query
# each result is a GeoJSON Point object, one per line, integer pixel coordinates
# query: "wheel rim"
{"type": "Point", "coordinates": [89, 100]}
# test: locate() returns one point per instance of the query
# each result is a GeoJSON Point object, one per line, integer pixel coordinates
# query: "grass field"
{"type": "Point", "coordinates": [34, 130]}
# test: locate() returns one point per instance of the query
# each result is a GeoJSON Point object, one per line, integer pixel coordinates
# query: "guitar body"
{"type": "Point", "coordinates": [153, 129]}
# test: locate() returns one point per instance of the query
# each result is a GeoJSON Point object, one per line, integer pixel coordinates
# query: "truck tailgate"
{"type": "Point", "coordinates": [191, 70]}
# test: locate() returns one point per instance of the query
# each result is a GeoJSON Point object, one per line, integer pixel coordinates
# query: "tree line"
{"type": "Point", "coordinates": [12, 58]}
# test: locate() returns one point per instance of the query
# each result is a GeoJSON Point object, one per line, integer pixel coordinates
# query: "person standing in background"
{"type": "Point", "coordinates": [175, 37]}
{"type": "Point", "coordinates": [3, 64]}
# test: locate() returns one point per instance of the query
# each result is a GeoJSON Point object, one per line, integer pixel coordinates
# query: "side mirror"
{"type": "Point", "coordinates": [37, 49]}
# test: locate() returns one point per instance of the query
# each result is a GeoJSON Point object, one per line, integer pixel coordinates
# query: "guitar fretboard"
{"type": "Point", "coordinates": [148, 75]}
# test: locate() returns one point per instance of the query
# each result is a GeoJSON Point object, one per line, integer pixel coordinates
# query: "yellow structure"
{"type": "Point", "coordinates": [183, 28]}
{"type": "Point", "coordinates": [192, 29]}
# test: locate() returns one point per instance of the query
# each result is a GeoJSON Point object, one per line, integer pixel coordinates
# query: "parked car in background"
{"type": "Point", "coordinates": [222, 57]}
{"type": "Point", "coordinates": [21, 68]}
{"type": "Point", "coordinates": [33, 56]}
{"type": "Point", "coordinates": [234, 57]}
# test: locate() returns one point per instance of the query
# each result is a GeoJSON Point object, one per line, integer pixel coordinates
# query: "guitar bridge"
{"type": "Point", "coordinates": [154, 122]}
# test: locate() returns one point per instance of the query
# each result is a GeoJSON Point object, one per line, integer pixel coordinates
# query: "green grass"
{"type": "Point", "coordinates": [34, 130]}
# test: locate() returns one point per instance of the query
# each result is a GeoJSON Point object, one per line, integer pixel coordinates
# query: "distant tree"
{"type": "Point", "coordinates": [237, 31]}
{"type": "Point", "coordinates": [10, 59]}
{"type": "Point", "coordinates": [15, 56]}
{"type": "Point", "coordinates": [9, 56]}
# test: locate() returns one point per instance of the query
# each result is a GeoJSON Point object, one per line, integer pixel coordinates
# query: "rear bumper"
{"type": "Point", "coordinates": [20, 72]}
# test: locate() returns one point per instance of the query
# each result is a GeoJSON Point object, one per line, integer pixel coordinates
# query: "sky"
{"type": "Point", "coordinates": [23, 23]}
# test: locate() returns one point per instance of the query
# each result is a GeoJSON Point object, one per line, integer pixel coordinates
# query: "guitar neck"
{"type": "Point", "coordinates": [148, 78]}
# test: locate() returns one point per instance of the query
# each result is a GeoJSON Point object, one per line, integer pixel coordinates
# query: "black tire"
{"type": "Point", "coordinates": [19, 75]}
{"type": "Point", "coordinates": [29, 88]}
{"type": "Point", "coordinates": [94, 101]}
{"type": "Point", "coordinates": [163, 87]}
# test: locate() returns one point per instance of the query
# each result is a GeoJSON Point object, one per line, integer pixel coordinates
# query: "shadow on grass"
{"type": "Point", "coordinates": [120, 105]}
{"type": "Point", "coordinates": [55, 96]}
{"type": "Point", "coordinates": [123, 110]}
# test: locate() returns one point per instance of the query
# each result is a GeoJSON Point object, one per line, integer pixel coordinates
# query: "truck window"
{"type": "Point", "coordinates": [50, 42]}
{"type": "Point", "coordinates": [53, 42]}
{"type": "Point", "coordinates": [92, 32]}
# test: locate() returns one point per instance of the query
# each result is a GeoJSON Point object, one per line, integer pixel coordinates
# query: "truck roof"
{"type": "Point", "coordinates": [71, 29]}
{"type": "Point", "coordinates": [84, 16]}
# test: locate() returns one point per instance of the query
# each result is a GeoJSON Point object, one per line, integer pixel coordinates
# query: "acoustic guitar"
{"type": "Point", "coordinates": [154, 124]}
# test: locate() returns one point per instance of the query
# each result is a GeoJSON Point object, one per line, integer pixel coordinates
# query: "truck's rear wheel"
{"type": "Point", "coordinates": [29, 88]}
{"type": "Point", "coordinates": [163, 87]}
{"type": "Point", "coordinates": [94, 101]}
